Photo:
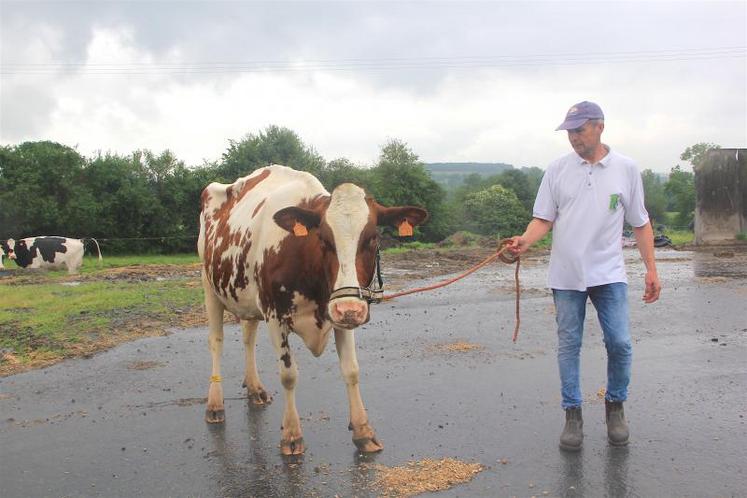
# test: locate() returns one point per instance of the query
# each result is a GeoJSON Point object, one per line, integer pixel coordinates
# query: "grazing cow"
{"type": "Point", "coordinates": [47, 252]}
{"type": "Point", "coordinates": [276, 246]}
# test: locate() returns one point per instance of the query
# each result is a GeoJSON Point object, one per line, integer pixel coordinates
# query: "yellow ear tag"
{"type": "Point", "coordinates": [299, 230]}
{"type": "Point", "coordinates": [405, 229]}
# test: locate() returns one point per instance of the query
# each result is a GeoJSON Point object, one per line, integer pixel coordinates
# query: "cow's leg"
{"type": "Point", "coordinates": [364, 436]}
{"type": "Point", "coordinates": [215, 411]}
{"type": "Point", "coordinates": [73, 268]}
{"type": "Point", "coordinates": [291, 442]}
{"type": "Point", "coordinates": [255, 390]}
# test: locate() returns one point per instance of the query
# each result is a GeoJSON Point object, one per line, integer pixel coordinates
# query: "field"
{"type": "Point", "coordinates": [48, 316]}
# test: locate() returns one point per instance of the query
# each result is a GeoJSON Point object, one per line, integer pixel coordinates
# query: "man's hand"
{"type": "Point", "coordinates": [536, 229]}
{"type": "Point", "coordinates": [653, 287]}
{"type": "Point", "coordinates": [644, 238]}
{"type": "Point", "coordinates": [519, 245]}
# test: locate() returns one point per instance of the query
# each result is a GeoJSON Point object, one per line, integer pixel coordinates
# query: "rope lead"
{"type": "Point", "coordinates": [499, 254]}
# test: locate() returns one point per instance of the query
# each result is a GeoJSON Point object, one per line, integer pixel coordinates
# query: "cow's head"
{"type": "Point", "coordinates": [345, 227]}
{"type": "Point", "coordinates": [9, 248]}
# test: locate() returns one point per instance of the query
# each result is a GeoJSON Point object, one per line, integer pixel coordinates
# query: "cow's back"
{"type": "Point", "coordinates": [237, 227]}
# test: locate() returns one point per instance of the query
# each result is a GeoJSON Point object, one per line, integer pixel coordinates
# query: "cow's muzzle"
{"type": "Point", "coordinates": [348, 312]}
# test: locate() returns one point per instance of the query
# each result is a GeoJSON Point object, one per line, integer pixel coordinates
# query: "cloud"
{"type": "Point", "coordinates": [468, 82]}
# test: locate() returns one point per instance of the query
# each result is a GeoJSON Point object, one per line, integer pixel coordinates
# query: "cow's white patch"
{"type": "Point", "coordinates": [347, 216]}
{"type": "Point", "coordinates": [281, 188]}
{"type": "Point", "coordinates": [304, 324]}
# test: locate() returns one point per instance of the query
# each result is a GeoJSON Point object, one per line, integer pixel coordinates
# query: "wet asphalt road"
{"type": "Point", "coordinates": [102, 427]}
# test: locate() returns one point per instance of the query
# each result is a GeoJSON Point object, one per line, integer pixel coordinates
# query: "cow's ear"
{"type": "Point", "coordinates": [296, 220]}
{"type": "Point", "coordinates": [403, 218]}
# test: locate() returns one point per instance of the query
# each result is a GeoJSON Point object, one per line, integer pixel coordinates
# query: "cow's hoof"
{"type": "Point", "coordinates": [260, 397]}
{"type": "Point", "coordinates": [292, 447]}
{"type": "Point", "coordinates": [368, 444]}
{"type": "Point", "coordinates": [215, 416]}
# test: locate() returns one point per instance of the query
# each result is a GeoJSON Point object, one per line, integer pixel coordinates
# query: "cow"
{"type": "Point", "coordinates": [276, 246]}
{"type": "Point", "coordinates": [48, 252]}
{"type": "Point", "coordinates": [2, 253]}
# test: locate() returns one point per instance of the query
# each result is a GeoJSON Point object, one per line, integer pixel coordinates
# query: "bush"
{"type": "Point", "coordinates": [496, 211]}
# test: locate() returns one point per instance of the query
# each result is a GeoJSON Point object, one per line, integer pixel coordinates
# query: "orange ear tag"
{"type": "Point", "coordinates": [299, 230]}
{"type": "Point", "coordinates": [405, 229]}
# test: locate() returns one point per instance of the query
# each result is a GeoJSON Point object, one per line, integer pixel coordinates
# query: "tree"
{"type": "Point", "coordinates": [275, 145]}
{"type": "Point", "coordinates": [534, 178]}
{"type": "Point", "coordinates": [495, 211]}
{"type": "Point", "coordinates": [695, 153]}
{"type": "Point", "coordinates": [400, 179]}
{"type": "Point", "coordinates": [517, 181]}
{"type": "Point", "coordinates": [680, 188]}
{"type": "Point", "coordinates": [176, 211]}
{"type": "Point", "coordinates": [341, 171]}
{"type": "Point", "coordinates": [127, 203]}
{"type": "Point", "coordinates": [656, 198]}
{"type": "Point", "coordinates": [43, 191]}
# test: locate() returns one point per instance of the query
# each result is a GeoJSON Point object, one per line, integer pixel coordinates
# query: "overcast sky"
{"type": "Point", "coordinates": [456, 81]}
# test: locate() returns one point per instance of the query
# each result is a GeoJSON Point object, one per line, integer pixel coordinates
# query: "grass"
{"type": "Point", "coordinates": [544, 243]}
{"type": "Point", "coordinates": [42, 320]}
{"type": "Point", "coordinates": [91, 264]}
{"type": "Point", "coordinates": [409, 246]}
{"type": "Point", "coordinates": [680, 237]}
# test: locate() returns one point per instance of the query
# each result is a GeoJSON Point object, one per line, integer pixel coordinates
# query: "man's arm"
{"type": "Point", "coordinates": [644, 237]}
{"type": "Point", "coordinates": [536, 229]}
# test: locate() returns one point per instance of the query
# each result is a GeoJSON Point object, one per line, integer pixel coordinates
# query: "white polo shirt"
{"type": "Point", "coordinates": [587, 205]}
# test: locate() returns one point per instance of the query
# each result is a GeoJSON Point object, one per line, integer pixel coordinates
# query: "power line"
{"type": "Point", "coordinates": [364, 64]}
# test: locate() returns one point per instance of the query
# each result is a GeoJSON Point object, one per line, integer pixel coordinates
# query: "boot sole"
{"type": "Point", "coordinates": [570, 448]}
{"type": "Point", "coordinates": [622, 443]}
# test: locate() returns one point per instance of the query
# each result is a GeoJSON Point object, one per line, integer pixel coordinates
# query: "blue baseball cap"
{"type": "Point", "coordinates": [580, 114]}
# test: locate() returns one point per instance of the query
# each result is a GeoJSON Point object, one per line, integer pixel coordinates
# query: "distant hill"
{"type": "Point", "coordinates": [451, 175]}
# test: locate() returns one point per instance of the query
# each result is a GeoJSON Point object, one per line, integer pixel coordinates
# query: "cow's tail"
{"type": "Point", "coordinates": [97, 248]}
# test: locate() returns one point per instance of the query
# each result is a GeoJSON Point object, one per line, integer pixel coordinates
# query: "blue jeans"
{"type": "Point", "coordinates": [611, 303]}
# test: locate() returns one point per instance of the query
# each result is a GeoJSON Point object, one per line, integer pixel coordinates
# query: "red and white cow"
{"type": "Point", "coordinates": [47, 252]}
{"type": "Point", "coordinates": [274, 246]}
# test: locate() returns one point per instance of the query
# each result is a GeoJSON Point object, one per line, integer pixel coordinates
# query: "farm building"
{"type": "Point", "coordinates": [721, 196]}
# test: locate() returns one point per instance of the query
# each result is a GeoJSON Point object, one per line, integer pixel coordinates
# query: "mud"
{"type": "Point", "coordinates": [99, 427]}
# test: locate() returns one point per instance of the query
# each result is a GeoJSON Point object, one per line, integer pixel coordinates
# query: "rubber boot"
{"type": "Point", "coordinates": [573, 433]}
{"type": "Point", "coordinates": [617, 428]}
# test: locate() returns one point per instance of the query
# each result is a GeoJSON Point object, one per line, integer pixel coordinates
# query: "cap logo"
{"type": "Point", "coordinates": [572, 110]}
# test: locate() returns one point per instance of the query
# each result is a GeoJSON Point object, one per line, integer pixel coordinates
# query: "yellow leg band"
{"type": "Point", "coordinates": [215, 378]}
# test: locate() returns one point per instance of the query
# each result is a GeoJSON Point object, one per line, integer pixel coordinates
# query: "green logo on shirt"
{"type": "Point", "coordinates": [614, 199]}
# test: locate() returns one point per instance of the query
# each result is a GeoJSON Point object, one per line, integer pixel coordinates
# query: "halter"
{"type": "Point", "coordinates": [368, 293]}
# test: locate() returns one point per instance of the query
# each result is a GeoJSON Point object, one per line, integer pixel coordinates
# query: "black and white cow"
{"type": "Point", "coordinates": [47, 252]}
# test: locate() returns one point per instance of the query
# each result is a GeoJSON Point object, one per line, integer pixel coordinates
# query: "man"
{"type": "Point", "coordinates": [584, 198]}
